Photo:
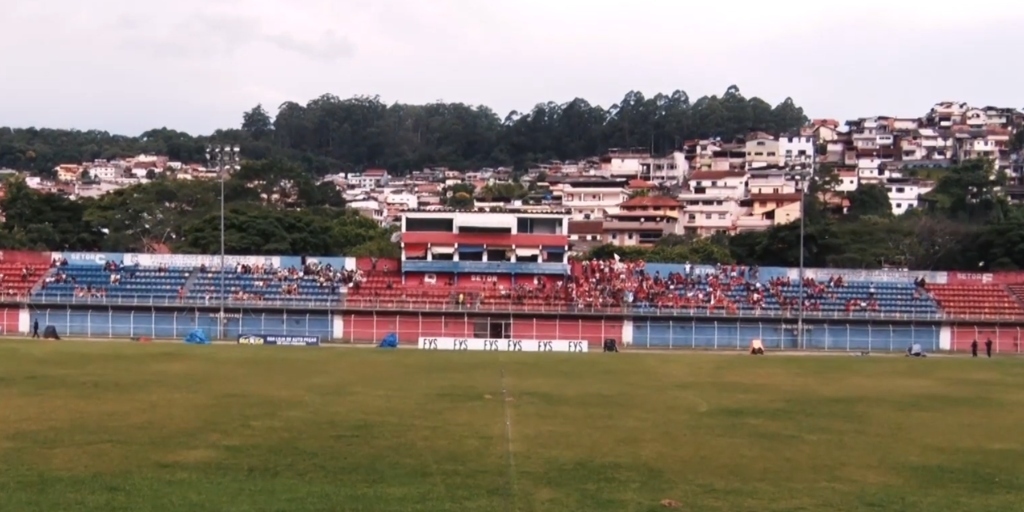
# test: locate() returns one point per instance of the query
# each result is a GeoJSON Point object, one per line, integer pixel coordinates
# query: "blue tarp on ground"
{"type": "Point", "coordinates": [389, 341]}
{"type": "Point", "coordinates": [197, 337]}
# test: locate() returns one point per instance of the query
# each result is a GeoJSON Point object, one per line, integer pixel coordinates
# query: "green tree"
{"type": "Point", "coordinates": [458, 196]}
{"type": "Point", "coordinates": [870, 200]}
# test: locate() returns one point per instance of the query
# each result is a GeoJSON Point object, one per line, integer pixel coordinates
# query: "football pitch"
{"type": "Point", "coordinates": [89, 426]}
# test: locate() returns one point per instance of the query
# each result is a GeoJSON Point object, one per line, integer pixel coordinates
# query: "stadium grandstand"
{"type": "Point", "coordinates": [506, 275]}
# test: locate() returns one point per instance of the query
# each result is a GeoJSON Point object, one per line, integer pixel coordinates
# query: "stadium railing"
{"type": "Point", "coordinates": [366, 303]}
{"type": "Point", "coordinates": [145, 300]}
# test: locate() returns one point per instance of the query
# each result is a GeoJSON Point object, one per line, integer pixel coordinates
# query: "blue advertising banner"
{"type": "Point", "coordinates": [89, 258]}
{"type": "Point", "coordinates": [274, 339]}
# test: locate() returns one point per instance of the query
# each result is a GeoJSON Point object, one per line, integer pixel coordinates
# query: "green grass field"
{"type": "Point", "coordinates": [123, 427]}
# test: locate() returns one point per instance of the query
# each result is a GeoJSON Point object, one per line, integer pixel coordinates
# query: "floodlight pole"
{"type": "Point", "coordinates": [226, 158]}
{"type": "Point", "coordinates": [803, 179]}
{"type": "Point", "coordinates": [800, 311]}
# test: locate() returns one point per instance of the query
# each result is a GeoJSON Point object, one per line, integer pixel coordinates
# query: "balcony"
{"type": "Point", "coordinates": [753, 223]}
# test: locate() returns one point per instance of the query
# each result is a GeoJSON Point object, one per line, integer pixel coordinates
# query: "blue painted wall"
{"type": "Point", "coordinates": [119, 323]}
{"type": "Point", "coordinates": [731, 334]}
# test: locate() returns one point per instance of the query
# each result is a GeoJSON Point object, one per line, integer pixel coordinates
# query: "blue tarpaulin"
{"type": "Point", "coordinates": [389, 341]}
{"type": "Point", "coordinates": [197, 337]}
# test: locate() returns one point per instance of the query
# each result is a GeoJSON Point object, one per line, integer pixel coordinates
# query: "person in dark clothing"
{"type": "Point", "coordinates": [974, 348]}
{"type": "Point", "coordinates": [35, 329]}
{"type": "Point", "coordinates": [988, 347]}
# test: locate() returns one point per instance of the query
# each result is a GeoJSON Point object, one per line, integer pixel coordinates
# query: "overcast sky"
{"type": "Point", "coordinates": [196, 65]}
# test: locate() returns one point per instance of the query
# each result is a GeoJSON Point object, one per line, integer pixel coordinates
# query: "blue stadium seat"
{"type": "Point", "coordinates": [263, 287]}
{"type": "Point", "coordinates": [136, 283]}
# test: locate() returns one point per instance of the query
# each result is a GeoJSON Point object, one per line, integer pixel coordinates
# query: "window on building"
{"type": "Point", "coordinates": [721, 216]}
{"type": "Point", "coordinates": [714, 183]}
{"type": "Point", "coordinates": [692, 217]}
{"type": "Point", "coordinates": [900, 190]}
{"type": "Point", "coordinates": [615, 236]}
{"type": "Point", "coordinates": [899, 206]}
{"type": "Point", "coordinates": [629, 236]}
{"type": "Point", "coordinates": [707, 216]}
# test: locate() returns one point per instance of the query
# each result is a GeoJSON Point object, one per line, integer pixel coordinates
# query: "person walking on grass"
{"type": "Point", "coordinates": [974, 348]}
{"type": "Point", "coordinates": [35, 328]}
{"type": "Point", "coordinates": [988, 347]}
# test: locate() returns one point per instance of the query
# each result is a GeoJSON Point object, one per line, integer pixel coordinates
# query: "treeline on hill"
{"type": "Point", "coordinates": [329, 134]}
{"type": "Point", "coordinates": [274, 207]}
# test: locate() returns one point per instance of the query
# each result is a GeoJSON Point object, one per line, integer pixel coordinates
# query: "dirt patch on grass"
{"type": "Point", "coordinates": [94, 458]}
{"type": "Point", "coordinates": [190, 456]}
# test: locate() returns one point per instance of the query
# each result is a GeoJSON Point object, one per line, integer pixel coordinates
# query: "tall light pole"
{"type": "Point", "coordinates": [803, 175]}
{"type": "Point", "coordinates": [225, 158]}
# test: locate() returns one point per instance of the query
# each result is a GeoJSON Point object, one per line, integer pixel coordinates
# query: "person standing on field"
{"type": "Point", "coordinates": [974, 348]}
{"type": "Point", "coordinates": [35, 328]}
{"type": "Point", "coordinates": [988, 347]}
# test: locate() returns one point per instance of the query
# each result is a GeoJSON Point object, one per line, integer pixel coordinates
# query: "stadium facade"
{"type": "Point", "coordinates": [505, 276]}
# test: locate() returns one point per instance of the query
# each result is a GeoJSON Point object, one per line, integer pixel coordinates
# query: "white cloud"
{"type": "Point", "coordinates": [198, 64]}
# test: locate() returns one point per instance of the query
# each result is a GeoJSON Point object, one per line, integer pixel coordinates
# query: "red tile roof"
{"type": "Point", "coordinates": [793, 196]}
{"type": "Point", "coordinates": [661, 201]}
{"type": "Point", "coordinates": [716, 175]}
{"type": "Point", "coordinates": [585, 227]}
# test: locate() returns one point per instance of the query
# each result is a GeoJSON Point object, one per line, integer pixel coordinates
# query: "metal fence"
{"type": "Point", "coordinates": [370, 326]}
{"type": "Point", "coordinates": [169, 324]}
{"type": "Point", "coordinates": [737, 335]}
{"type": "Point", "coordinates": [648, 333]}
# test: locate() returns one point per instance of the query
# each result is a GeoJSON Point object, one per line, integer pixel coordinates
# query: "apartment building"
{"type": "Point", "coordinates": [765, 210]}
{"type": "Point", "coordinates": [872, 169]}
{"type": "Point", "coordinates": [699, 153]}
{"type": "Point", "coordinates": [796, 149]}
{"type": "Point", "coordinates": [623, 163]}
{"type": "Point", "coordinates": [670, 169]}
{"type": "Point", "coordinates": [712, 202]}
{"type": "Point", "coordinates": [769, 181]}
{"type": "Point", "coordinates": [642, 221]}
{"type": "Point", "coordinates": [926, 144]}
{"type": "Point", "coordinates": [946, 114]}
{"type": "Point", "coordinates": [847, 180]}
{"type": "Point", "coordinates": [905, 193]}
{"type": "Point", "coordinates": [762, 150]}
{"type": "Point", "coordinates": [68, 172]}
{"type": "Point", "coordinates": [588, 199]}
{"type": "Point", "coordinates": [821, 130]}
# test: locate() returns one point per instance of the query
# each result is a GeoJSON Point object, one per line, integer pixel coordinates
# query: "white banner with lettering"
{"type": "Point", "coordinates": [503, 345]}
{"type": "Point", "coordinates": [195, 260]}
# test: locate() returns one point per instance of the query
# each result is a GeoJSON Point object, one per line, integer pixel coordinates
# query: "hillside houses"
{"type": "Point", "coordinates": [628, 196]}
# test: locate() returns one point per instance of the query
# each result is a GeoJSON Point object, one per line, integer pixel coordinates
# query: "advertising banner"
{"type": "Point", "coordinates": [878, 276]}
{"type": "Point", "coordinates": [194, 260]}
{"type": "Point", "coordinates": [503, 345]}
{"type": "Point", "coordinates": [274, 339]}
{"type": "Point", "coordinates": [89, 258]}
{"type": "Point", "coordinates": [971, 278]}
